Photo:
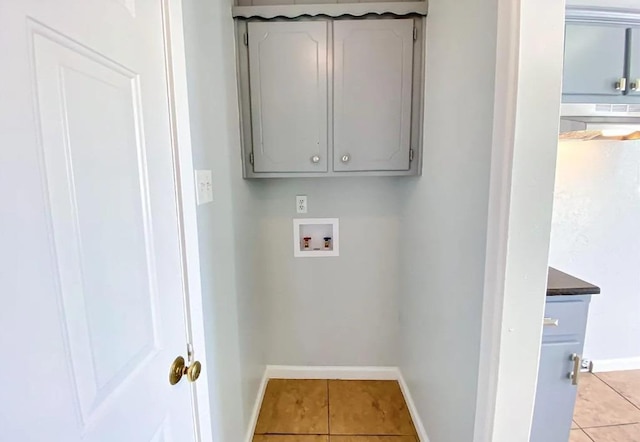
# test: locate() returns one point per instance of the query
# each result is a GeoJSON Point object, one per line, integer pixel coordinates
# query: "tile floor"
{"type": "Point", "coordinates": [334, 411]}
{"type": "Point", "coordinates": [608, 408]}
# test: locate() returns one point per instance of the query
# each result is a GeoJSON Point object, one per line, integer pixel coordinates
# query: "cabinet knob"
{"type": "Point", "coordinates": [635, 85]}
{"type": "Point", "coordinates": [621, 85]}
{"type": "Point", "coordinates": [315, 159]}
{"type": "Point", "coordinates": [345, 158]}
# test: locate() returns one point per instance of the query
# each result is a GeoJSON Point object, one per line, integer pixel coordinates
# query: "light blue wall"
{"type": "Point", "coordinates": [331, 311]}
{"type": "Point", "coordinates": [234, 326]}
{"type": "Point", "coordinates": [444, 220]}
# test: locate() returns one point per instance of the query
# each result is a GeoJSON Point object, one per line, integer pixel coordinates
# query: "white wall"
{"type": "Point", "coordinates": [444, 223]}
{"type": "Point", "coordinates": [330, 311]}
{"type": "Point", "coordinates": [235, 356]}
{"type": "Point", "coordinates": [596, 236]}
{"type": "Point", "coordinates": [521, 222]}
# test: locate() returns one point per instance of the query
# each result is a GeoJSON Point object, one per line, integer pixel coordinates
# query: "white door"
{"type": "Point", "coordinates": [92, 310]}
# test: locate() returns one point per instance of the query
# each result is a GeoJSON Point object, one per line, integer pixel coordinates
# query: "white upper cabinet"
{"type": "Point", "coordinates": [288, 81]}
{"type": "Point", "coordinates": [331, 97]}
{"type": "Point", "coordinates": [372, 68]}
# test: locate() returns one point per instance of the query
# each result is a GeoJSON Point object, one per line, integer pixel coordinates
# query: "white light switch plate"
{"type": "Point", "coordinates": [204, 187]}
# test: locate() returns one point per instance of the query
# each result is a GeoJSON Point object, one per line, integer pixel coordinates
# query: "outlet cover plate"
{"type": "Point", "coordinates": [301, 203]}
{"type": "Point", "coordinates": [204, 187]}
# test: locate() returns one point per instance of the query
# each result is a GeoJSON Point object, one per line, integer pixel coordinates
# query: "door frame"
{"type": "Point", "coordinates": [176, 72]}
{"type": "Point", "coordinates": [529, 50]}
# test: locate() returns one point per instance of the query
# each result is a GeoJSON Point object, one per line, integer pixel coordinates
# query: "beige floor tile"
{"type": "Point", "coordinates": [293, 406]}
{"type": "Point", "coordinates": [289, 438]}
{"type": "Point", "coordinates": [368, 407]}
{"type": "Point", "coordinates": [620, 433]}
{"type": "Point", "coordinates": [373, 439]}
{"type": "Point", "coordinates": [599, 405]}
{"type": "Point", "coordinates": [578, 436]}
{"type": "Point", "coordinates": [627, 383]}
{"type": "Point", "coordinates": [574, 425]}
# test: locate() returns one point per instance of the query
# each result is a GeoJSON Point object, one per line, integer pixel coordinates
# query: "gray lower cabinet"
{"type": "Point", "coordinates": [331, 97]}
{"type": "Point", "coordinates": [562, 342]}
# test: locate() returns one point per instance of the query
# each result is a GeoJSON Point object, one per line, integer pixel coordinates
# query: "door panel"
{"type": "Point", "coordinates": [288, 81]}
{"type": "Point", "coordinates": [555, 396]}
{"type": "Point", "coordinates": [594, 62]}
{"type": "Point", "coordinates": [373, 66]}
{"type": "Point", "coordinates": [633, 54]}
{"type": "Point", "coordinates": [89, 226]}
{"type": "Point", "coordinates": [90, 132]}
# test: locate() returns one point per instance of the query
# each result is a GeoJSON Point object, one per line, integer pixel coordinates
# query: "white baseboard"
{"type": "Point", "coordinates": [422, 433]}
{"type": "Point", "coordinates": [605, 365]}
{"type": "Point", "coordinates": [256, 408]}
{"type": "Point", "coordinates": [345, 373]}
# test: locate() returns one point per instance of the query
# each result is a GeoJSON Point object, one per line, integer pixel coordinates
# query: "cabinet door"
{"type": "Point", "coordinates": [373, 65]}
{"type": "Point", "coordinates": [594, 61]}
{"type": "Point", "coordinates": [633, 54]}
{"type": "Point", "coordinates": [555, 396]}
{"type": "Point", "coordinates": [288, 89]}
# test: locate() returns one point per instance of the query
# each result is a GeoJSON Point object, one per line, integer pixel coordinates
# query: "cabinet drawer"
{"type": "Point", "coordinates": [570, 314]}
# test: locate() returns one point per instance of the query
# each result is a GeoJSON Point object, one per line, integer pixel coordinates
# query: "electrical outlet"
{"type": "Point", "coordinates": [204, 187]}
{"type": "Point", "coordinates": [301, 204]}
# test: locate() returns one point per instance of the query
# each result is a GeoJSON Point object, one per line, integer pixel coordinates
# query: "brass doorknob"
{"type": "Point", "coordinates": [179, 369]}
{"type": "Point", "coordinates": [193, 371]}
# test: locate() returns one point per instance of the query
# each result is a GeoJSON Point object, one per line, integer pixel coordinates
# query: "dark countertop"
{"type": "Point", "coordinates": [561, 284]}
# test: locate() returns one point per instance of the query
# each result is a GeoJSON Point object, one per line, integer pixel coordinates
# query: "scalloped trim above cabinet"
{"type": "Point", "coordinates": [399, 8]}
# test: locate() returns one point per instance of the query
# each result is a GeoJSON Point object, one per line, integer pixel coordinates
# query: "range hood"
{"type": "Point", "coordinates": [580, 121]}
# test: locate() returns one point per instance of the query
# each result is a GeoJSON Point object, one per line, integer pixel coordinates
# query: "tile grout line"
{"type": "Point", "coordinates": [587, 434]}
{"type": "Point", "coordinates": [328, 413]}
{"type": "Point", "coordinates": [616, 391]}
{"type": "Point", "coordinates": [611, 425]}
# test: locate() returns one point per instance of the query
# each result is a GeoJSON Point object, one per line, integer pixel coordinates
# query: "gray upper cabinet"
{"type": "Point", "coordinates": [594, 63]}
{"type": "Point", "coordinates": [326, 97]}
{"type": "Point", "coordinates": [288, 82]}
{"type": "Point", "coordinates": [633, 50]}
{"type": "Point", "coordinates": [372, 68]}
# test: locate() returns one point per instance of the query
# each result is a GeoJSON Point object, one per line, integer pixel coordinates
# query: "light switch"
{"type": "Point", "coordinates": [204, 187]}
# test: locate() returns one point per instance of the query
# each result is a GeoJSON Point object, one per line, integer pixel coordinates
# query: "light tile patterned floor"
{"type": "Point", "coordinates": [334, 411]}
{"type": "Point", "coordinates": [608, 408]}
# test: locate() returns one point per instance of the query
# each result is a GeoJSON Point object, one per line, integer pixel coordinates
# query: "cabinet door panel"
{"type": "Point", "coordinates": [594, 61]}
{"type": "Point", "coordinates": [288, 82]}
{"type": "Point", "coordinates": [633, 53]}
{"type": "Point", "coordinates": [373, 65]}
{"type": "Point", "coordinates": [555, 396]}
